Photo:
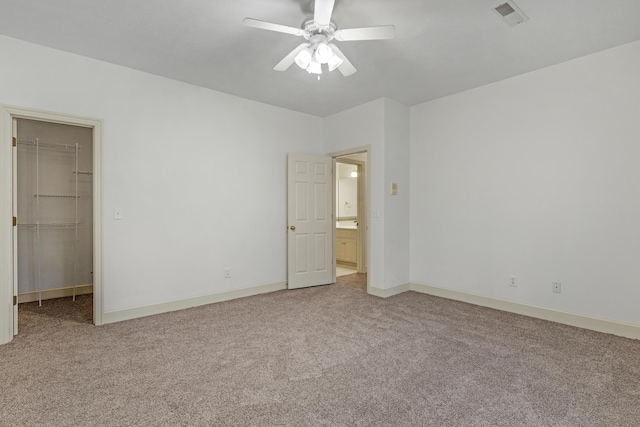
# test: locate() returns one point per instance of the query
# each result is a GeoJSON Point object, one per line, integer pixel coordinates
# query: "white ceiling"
{"type": "Point", "coordinates": [441, 46]}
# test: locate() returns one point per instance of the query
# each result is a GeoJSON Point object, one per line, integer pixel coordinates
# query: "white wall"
{"type": "Point", "coordinates": [344, 170]}
{"type": "Point", "coordinates": [355, 128]}
{"type": "Point", "coordinates": [537, 176]}
{"type": "Point", "coordinates": [383, 125]}
{"type": "Point", "coordinates": [396, 169]}
{"type": "Point", "coordinates": [200, 175]}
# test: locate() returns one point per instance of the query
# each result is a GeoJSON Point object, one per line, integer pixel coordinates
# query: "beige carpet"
{"type": "Point", "coordinates": [325, 356]}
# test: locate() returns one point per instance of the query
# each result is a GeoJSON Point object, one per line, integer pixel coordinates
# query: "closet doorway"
{"type": "Point", "coordinates": [55, 203]}
{"type": "Point", "coordinates": [54, 210]}
{"type": "Point", "coordinates": [350, 202]}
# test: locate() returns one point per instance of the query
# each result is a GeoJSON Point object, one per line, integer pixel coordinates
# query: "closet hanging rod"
{"type": "Point", "coordinates": [50, 225]}
{"type": "Point", "coordinates": [56, 196]}
{"type": "Point", "coordinates": [32, 143]}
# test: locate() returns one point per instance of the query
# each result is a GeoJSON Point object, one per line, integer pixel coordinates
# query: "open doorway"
{"type": "Point", "coordinates": [350, 205]}
{"type": "Point", "coordinates": [54, 195]}
{"type": "Point", "coordinates": [51, 181]}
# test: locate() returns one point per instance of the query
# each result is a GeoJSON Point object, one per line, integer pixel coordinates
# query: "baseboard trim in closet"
{"type": "Point", "coordinates": [54, 293]}
{"type": "Point", "coordinates": [150, 310]}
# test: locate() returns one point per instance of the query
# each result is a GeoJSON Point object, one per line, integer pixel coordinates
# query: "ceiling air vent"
{"type": "Point", "coordinates": [511, 13]}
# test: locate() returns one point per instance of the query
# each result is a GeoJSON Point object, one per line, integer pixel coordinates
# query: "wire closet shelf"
{"type": "Point", "coordinates": [38, 226]}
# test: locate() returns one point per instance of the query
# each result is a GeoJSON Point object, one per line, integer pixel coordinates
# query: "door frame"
{"type": "Point", "coordinates": [7, 255]}
{"type": "Point", "coordinates": [364, 239]}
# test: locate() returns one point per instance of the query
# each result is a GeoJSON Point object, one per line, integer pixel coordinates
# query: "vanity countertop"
{"type": "Point", "coordinates": [347, 225]}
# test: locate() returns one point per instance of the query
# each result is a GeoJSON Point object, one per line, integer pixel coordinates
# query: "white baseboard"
{"type": "Point", "coordinates": [388, 292]}
{"type": "Point", "coordinates": [149, 310]}
{"type": "Point", "coordinates": [627, 330]}
{"type": "Point", "coordinates": [622, 329]}
{"type": "Point", "coordinates": [54, 293]}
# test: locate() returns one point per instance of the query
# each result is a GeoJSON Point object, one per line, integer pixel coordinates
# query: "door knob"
{"type": "Point", "coordinates": [293, 228]}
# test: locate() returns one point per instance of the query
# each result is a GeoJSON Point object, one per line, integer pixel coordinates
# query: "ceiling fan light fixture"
{"type": "Point", "coordinates": [324, 53]}
{"type": "Point", "coordinates": [334, 62]}
{"type": "Point", "coordinates": [319, 31]}
{"type": "Point", "coordinates": [314, 67]}
{"type": "Point", "coordinates": [303, 59]}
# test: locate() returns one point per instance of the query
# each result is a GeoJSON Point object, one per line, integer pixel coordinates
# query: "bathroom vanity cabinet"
{"type": "Point", "coordinates": [347, 246]}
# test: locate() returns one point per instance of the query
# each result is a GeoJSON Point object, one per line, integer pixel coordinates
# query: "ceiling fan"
{"type": "Point", "coordinates": [319, 32]}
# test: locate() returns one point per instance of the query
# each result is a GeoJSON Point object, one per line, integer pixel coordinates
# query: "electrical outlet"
{"type": "Point", "coordinates": [513, 282]}
{"type": "Point", "coordinates": [227, 273]}
{"type": "Point", "coordinates": [557, 287]}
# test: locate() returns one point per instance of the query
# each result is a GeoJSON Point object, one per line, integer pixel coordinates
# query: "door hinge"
{"type": "Point", "coordinates": [15, 141]}
{"type": "Point", "coordinates": [15, 300]}
{"type": "Point", "coordinates": [15, 221]}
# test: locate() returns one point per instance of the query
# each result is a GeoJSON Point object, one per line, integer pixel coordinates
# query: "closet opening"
{"type": "Point", "coordinates": [54, 233]}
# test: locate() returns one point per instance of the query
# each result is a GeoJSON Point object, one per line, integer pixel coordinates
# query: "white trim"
{"type": "Point", "coordinates": [350, 151]}
{"type": "Point", "coordinates": [150, 310]}
{"type": "Point", "coordinates": [6, 228]}
{"type": "Point", "coordinates": [606, 326]}
{"type": "Point", "coordinates": [334, 197]}
{"type": "Point", "coordinates": [362, 217]}
{"type": "Point", "coordinates": [389, 292]}
{"type": "Point", "coordinates": [7, 113]}
{"type": "Point", "coordinates": [98, 290]}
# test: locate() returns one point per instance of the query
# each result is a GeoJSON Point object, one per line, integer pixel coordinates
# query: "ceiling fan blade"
{"type": "Point", "coordinates": [263, 25]}
{"type": "Point", "coordinates": [366, 33]}
{"type": "Point", "coordinates": [322, 12]}
{"type": "Point", "coordinates": [290, 58]}
{"type": "Point", "coordinates": [347, 67]}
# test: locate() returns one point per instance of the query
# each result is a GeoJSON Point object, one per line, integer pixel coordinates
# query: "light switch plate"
{"type": "Point", "coordinates": [117, 213]}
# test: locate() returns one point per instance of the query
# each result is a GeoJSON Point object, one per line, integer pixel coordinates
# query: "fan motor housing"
{"type": "Point", "coordinates": [311, 28]}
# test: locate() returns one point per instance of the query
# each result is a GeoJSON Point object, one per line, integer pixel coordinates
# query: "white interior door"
{"type": "Point", "coordinates": [14, 183]}
{"type": "Point", "coordinates": [311, 224]}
